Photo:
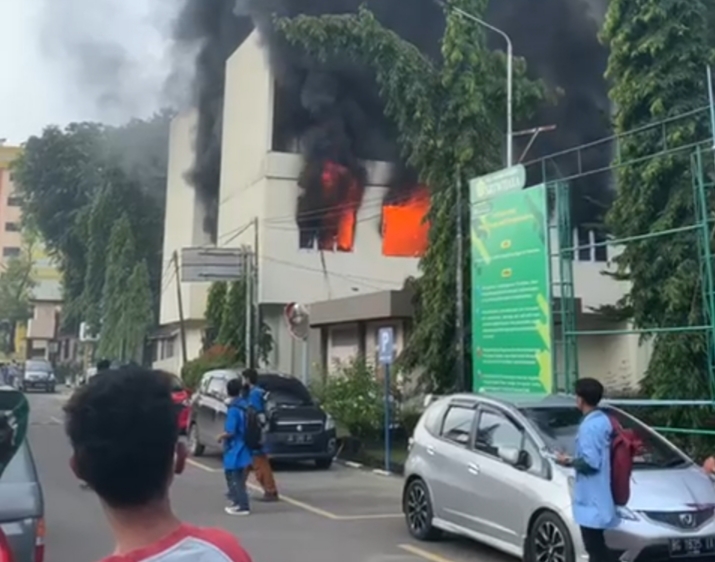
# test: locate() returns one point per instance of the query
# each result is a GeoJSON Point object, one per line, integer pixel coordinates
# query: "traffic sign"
{"type": "Point", "coordinates": [508, 179]}
{"type": "Point", "coordinates": [206, 264]}
{"type": "Point", "coordinates": [386, 345]}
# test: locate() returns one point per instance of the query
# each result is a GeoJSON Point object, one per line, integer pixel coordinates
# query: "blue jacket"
{"type": "Point", "coordinates": [235, 454]}
{"type": "Point", "coordinates": [593, 504]}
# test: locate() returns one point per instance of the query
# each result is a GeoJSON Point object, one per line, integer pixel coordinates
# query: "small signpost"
{"type": "Point", "coordinates": [386, 353]}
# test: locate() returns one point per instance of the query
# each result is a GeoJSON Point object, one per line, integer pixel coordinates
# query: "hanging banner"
{"type": "Point", "coordinates": [511, 292]}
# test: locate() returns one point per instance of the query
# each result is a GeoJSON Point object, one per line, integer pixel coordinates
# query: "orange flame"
{"type": "Point", "coordinates": [338, 224]}
{"type": "Point", "coordinates": [405, 230]}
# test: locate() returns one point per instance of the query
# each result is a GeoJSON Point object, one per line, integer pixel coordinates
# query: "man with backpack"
{"type": "Point", "coordinates": [237, 452]}
{"type": "Point", "coordinates": [256, 399]}
{"type": "Point", "coordinates": [594, 506]}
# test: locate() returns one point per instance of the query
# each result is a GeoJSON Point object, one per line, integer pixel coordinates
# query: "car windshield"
{"type": "Point", "coordinates": [20, 469]}
{"type": "Point", "coordinates": [41, 366]}
{"type": "Point", "coordinates": [558, 427]}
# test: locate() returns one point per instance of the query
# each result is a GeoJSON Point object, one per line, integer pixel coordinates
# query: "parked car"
{"type": "Point", "coordinates": [22, 524]}
{"type": "Point", "coordinates": [483, 467]}
{"type": "Point", "coordinates": [182, 399]}
{"type": "Point", "coordinates": [38, 374]}
{"type": "Point", "coordinates": [298, 429]}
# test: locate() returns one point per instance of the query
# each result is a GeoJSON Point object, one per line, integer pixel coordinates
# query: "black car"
{"type": "Point", "coordinates": [298, 429]}
{"type": "Point", "coordinates": [38, 374]}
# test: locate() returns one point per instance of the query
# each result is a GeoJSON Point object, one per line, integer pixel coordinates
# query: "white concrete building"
{"type": "Point", "coordinates": [183, 227]}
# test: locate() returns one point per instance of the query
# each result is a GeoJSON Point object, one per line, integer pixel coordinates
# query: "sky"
{"type": "Point", "coordinates": [72, 60]}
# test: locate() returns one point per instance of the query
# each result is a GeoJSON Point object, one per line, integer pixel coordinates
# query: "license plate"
{"type": "Point", "coordinates": [693, 546]}
{"type": "Point", "coordinates": [300, 438]}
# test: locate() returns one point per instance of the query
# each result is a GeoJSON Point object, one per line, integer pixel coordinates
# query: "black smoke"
{"type": "Point", "coordinates": [333, 111]}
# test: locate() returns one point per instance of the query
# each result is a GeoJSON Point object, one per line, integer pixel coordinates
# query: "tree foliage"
{"type": "Point", "coordinates": [121, 258]}
{"type": "Point", "coordinates": [214, 312]}
{"type": "Point", "coordinates": [74, 181]}
{"type": "Point", "coordinates": [658, 72]}
{"type": "Point", "coordinates": [16, 284]}
{"type": "Point", "coordinates": [449, 120]}
{"type": "Point", "coordinates": [139, 317]}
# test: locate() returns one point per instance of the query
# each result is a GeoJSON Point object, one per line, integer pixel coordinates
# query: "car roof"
{"type": "Point", "coordinates": [519, 401]}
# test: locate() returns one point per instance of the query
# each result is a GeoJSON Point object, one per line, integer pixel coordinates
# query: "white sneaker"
{"type": "Point", "coordinates": [235, 510]}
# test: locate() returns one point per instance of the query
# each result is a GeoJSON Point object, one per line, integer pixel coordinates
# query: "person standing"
{"type": "Point", "coordinates": [236, 455]}
{"type": "Point", "coordinates": [125, 444]}
{"type": "Point", "coordinates": [261, 465]}
{"type": "Point", "coordinates": [594, 509]}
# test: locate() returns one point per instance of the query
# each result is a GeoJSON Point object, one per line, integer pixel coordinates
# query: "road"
{"type": "Point", "coordinates": [342, 513]}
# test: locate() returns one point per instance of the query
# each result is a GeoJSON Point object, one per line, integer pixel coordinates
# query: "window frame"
{"type": "Point", "coordinates": [445, 413]}
{"type": "Point", "coordinates": [536, 468]}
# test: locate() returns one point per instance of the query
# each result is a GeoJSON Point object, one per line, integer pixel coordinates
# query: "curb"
{"type": "Point", "coordinates": [359, 466]}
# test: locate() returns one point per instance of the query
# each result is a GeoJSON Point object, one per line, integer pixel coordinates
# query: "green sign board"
{"type": "Point", "coordinates": [503, 181]}
{"type": "Point", "coordinates": [511, 292]}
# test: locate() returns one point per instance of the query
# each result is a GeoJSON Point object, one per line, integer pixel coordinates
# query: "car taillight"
{"type": "Point", "coordinates": [5, 554]}
{"type": "Point", "coordinates": [40, 541]}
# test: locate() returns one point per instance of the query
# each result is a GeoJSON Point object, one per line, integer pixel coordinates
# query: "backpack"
{"type": "Point", "coordinates": [623, 449]}
{"type": "Point", "coordinates": [253, 429]}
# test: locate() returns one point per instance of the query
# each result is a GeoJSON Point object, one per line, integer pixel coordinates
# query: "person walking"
{"type": "Point", "coordinates": [125, 443]}
{"type": "Point", "coordinates": [594, 508]}
{"type": "Point", "coordinates": [261, 465]}
{"type": "Point", "coordinates": [236, 455]}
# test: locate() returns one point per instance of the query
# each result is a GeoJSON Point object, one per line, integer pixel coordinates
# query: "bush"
{"type": "Point", "coordinates": [354, 398]}
{"type": "Point", "coordinates": [216, 357]}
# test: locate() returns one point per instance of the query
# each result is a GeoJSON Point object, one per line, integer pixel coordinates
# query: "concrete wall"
{"type": "Point", "coordinates": [183, 225]}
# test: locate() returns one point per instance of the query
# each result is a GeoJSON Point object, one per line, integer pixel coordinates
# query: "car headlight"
{"type": "Point", "coordinates": [625, 513]}
{"type": "Point", "coordinates": [329, 423]}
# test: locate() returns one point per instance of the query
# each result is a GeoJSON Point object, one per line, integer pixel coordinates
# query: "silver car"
{"type": "Point", "coordinates": [483, 467]}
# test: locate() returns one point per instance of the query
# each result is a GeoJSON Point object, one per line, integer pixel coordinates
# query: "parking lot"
{"type": "Point", "coordinates": [348, 513]}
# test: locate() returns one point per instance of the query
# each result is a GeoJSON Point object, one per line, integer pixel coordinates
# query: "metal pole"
{"type": "Point", "coordinates": [254, 296]}
{"type": "Point", "coordinates": [711, 97]}
{"type": "Point", "coordinates": [387, 417]}
{"type": "Point", "coordinates": [249, 309]}
{"type": "Point", "coordinates": [306, 362]}
{"type": "Point", "coordinates": [460, 291]}
{"type": "Point", "coordinates": [509, 78]}
{"type": "Point", "coordinates": [180, 303]}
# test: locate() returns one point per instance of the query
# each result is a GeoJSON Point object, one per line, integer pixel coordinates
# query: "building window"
{"type": "Point", "coordinates": [12, 227]}
{"type": "Point", "coordinates": [584, 244]}
{"type": "Point", "coordinates": [11, 252]}
{"type": "Point", "coordinates": [14, 201]}
{"type": "Point", "coordinates": [170, 347]}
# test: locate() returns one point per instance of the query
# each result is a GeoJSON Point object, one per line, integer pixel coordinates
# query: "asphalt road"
{"type": "Point", "coordinates": [344, 513]}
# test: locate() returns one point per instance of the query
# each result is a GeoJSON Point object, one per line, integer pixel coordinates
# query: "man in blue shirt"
{"type": "Point", "coordinates": [261, 465]}
{"type": "Point", "coordinates": [236, 456]}
{"type": "Point", "coordinates": [593, 507]}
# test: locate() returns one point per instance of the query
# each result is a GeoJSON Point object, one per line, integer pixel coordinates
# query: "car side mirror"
{"type": "Point", "coordinates": [510, 455]}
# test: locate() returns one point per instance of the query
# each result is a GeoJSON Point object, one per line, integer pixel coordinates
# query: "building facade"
{"type": "Point", "coordinates": [10, 212]}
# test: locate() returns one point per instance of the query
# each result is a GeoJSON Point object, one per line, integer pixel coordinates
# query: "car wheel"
{"type": "Point", "coordinates": [195, 446]}
{"type": "Point", "coordinates": [549, 540]}
{"type": "Point", "coordinates": [418, 511]}
{"type": "Point", "coordinates": [324, 464]}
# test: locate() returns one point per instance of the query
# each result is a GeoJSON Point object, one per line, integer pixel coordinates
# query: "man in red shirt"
{"type": "Point", "coordinates": [125, 441]}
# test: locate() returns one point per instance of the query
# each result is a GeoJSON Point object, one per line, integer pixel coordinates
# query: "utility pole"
{"type": "Point", "coordinates": [180, 303]}
{"type": "Point", "coordinates": [255, 302]}
{"type": "Point", "coordinates": [461, 386]}
{"type": "Point", "coordinates": [248, 295]}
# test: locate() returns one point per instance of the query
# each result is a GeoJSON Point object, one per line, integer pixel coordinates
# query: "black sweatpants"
{"type": "Point", "coordinates": [595, 543]}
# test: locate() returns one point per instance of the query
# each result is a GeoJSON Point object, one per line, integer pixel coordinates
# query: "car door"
{"type": "Point", "coordinates": [500, 493]}
{"type": "Point", "coordinates": [450, 455]}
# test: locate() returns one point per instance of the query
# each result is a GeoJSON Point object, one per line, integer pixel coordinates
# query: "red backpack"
{"type": "Point", "coordinates": [624, 445]}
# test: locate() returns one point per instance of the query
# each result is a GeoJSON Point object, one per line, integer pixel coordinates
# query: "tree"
{"type": "Point", "coordinates": [114, 335]}
{"type": "Point", "coordinates": [215, 305]}
{"type": "Point", "coordinates": [448, 119]}
{"type": "Point", "coordinates": [657, 73]}
{"type": "Point", "coordinates": [16, 286]}
{"type": "Point", "coordinates": [139, 317]}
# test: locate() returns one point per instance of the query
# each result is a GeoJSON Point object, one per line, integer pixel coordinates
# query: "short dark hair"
{"type": "Point", "coordinates": [234, 387]}
{"type": "Point", "coordinates": [103, 364]}
{"type": "Point", "coordinates": [251, 376]}
{"type": "Point", "coordinates": [123, 428]}
{"type": "Point", "coordinates": [590, 391]}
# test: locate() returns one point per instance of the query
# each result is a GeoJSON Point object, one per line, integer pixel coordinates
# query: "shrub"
{"type": "Point", "coordinates": [354, 397]}
{"type": "Point", "coordinates": [216, 357]}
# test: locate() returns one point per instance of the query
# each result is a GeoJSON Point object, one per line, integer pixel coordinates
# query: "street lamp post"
{"type": "Point", "coordinates": [509, 79]}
